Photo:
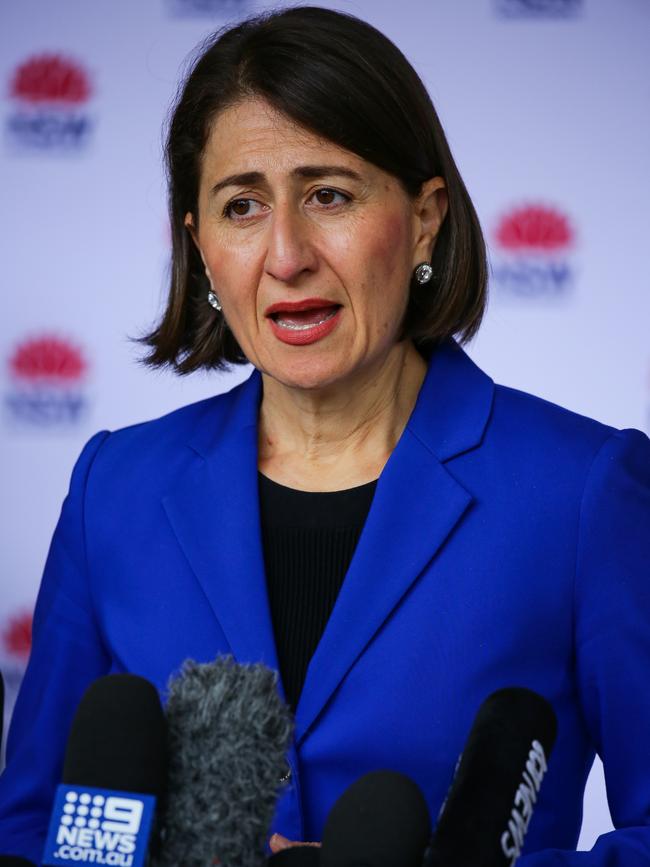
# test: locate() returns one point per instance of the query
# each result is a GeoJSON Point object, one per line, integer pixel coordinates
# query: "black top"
{"type": "Point", "coordinates": [308, 539]}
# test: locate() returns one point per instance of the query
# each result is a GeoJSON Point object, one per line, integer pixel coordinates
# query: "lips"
{"type": "Point", "coordinates": [305, 311]}
{"type": "Point", "coordinates": [303, 322]}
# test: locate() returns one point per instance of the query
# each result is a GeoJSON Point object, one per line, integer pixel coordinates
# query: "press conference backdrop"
{"type": "Point", "coordinates": [545, 103]}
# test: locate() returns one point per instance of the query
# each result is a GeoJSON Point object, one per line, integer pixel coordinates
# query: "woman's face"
{"type": "Point", "coordinates": [309, 248]}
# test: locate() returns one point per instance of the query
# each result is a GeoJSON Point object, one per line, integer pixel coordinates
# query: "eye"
{"type": "Point", "coordinates": [241, 208]}
{"type": "Point", "coordinates": [328, 197]}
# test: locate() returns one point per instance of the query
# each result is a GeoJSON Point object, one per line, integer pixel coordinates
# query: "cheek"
{"type": "Point", "coordinates": [389, 258]}
{"type": "Point", "coordinates": [388, 249]}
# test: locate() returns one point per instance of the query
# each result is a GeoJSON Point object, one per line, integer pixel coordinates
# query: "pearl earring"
{"type": "Point", "coordinates": [423, 273]}
{"type": "Point", "coordinates": [213, 301]}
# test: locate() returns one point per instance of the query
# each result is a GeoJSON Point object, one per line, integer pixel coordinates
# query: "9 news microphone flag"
{"type": "Point", "coordinates": [115, 768]}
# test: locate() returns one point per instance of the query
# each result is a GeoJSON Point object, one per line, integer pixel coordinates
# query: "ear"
{"type": "Point", "coordinates": [191, 228]}
{"type": "Point", "coordinates": [189, 225]}
{"type": "Point", "coordinates": [430, 209]}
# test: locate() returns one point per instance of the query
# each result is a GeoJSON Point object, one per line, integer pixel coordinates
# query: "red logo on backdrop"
{"type": "Point", "coordinates": [534, 244]}
{"type": "Point", "coordinates": [50, 78]}
{"type": "Point", "coordinates": [50, 93]}
{"type": "Point", "coordinates": [534, 228]}
{"type": "Point", "coordinates": [17, 636]}
{"type": "Point", "coordinates": [47, 359]}
{"type": "Point", "coordinates": [48, 375]}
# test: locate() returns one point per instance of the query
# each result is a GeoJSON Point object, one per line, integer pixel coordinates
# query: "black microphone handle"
{"type": "Point", "coordinates": [15, 861]}
{"type": "Point", "coordinates": [296, 856]}
{"type": "Point", "coordinates": [485, 817]}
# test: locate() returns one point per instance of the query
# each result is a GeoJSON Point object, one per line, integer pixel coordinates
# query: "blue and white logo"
{"type": "Point", "coordinates": [99, 826]}
{"type": "Point", "coordinates": [208, 8]}
{"type": "Point", "coordinates": [539, 8]}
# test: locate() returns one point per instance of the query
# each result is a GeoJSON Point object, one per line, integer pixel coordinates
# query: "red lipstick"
{"type": "Point", "coordinates": [299, 323]}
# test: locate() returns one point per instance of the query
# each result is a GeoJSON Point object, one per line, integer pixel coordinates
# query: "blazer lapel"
{"type": "Point", "coordinates": [214, 513]}
{"type": "Point", "coordinates": [417, 504]}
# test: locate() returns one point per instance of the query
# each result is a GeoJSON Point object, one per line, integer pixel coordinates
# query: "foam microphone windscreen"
{"type": "Point", "coordinates": [381, 820]}
{"type": "Point", "coordinates": [228, 735]}
{"type": "Point", "coordinates": [485, 817]}
{"type": "Point", "coordinates": [118, 737]}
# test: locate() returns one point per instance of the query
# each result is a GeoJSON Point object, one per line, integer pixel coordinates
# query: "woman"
{"type": "Point", "coordinates": [368, 513]}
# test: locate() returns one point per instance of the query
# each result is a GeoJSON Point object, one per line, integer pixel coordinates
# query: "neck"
{"type": "Point", "coordinates": [340, 436]}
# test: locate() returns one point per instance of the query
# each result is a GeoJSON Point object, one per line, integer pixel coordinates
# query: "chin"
{"type": "Point", "coordinates": [309, 374]}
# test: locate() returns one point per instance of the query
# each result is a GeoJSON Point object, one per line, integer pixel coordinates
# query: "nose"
{"type": "Point", "coordinates": [290, 252]}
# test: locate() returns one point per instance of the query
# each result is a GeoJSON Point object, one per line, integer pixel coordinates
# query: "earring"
{"type": "Point", "coordinates": [423, 273]}
{"type": "Point", "coordinates": [213, 301]}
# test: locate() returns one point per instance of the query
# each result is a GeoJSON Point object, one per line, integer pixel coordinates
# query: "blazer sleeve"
{"type": "Point", "coordinates": [612, 647]}
{"type": "Point", "coordinates": [67, 654]}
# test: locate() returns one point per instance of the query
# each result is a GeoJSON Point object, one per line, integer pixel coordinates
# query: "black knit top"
{"type": "Point", "coordinates": [308, 539]}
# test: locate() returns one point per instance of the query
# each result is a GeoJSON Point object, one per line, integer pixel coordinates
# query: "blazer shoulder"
{"type": "Point", "coordinates": [154, 449]}
{"type": "Point", "coordinates": [536, 420]}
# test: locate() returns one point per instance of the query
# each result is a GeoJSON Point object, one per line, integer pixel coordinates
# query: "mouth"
{"type": "Point", "coordinates": [299, 315]}
{"type": "Point", "coordinates": [301, 322]}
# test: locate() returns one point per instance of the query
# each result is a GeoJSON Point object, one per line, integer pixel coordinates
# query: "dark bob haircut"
{"type": "Point", "coordinates": [346, 82]}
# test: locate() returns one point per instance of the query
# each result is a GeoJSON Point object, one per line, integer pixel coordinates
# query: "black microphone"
{"type": "Point", "coordinates": [228, 736]}
{"type": "Point", "coordinates": [296, 856]}
{"type": "Point", "coordinates": [486, 815]}
{"type": "Point", "coordinates": [381, 820]}
{"type": "Point", "coordinates": [15, 861]}
{"type": "Point", "coordinates": [113, 772]}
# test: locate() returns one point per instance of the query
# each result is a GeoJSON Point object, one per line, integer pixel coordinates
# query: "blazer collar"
{"type": "Point", "coordinates": [215, 515]}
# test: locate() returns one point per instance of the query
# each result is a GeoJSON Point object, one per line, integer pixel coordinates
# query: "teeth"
{"type": "Point", "coordinates": [293, 326]}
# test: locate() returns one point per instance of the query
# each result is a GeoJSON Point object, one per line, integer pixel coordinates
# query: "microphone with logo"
{"type": "Point", "coordinates": [488, 809]}
{"type": "Point", "coordinates": [114, 770]}
{"type": "Point", "coordinates": [228, 735]}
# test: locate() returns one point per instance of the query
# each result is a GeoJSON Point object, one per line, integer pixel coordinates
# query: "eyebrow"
{"type": "Point", "coordinates": [245, 179]}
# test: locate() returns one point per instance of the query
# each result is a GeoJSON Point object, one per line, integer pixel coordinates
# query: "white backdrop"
{"type": "Point", "coordinates": [545, 103]}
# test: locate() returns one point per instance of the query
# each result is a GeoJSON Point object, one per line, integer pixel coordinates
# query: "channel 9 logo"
{"type": "Point", "coordinates": [98, 826]}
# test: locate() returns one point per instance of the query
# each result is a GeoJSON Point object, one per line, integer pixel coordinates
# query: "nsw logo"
{"type": "Point", "coordinates": [99, 826]}
{"type": "Point", "coordinates": [539, 8]}
{"type": "Point", "coordinates": [47, 376]}
{"type": "Point", "coordinates": [15, 645]}
{"type": "Point", "coordinates": [533, 256]}
{"type": "Point", "coordinates": [49, 96]}
{"type": "Point", "coordinates": [208, 8]}
{"type": "Point", "coordinates": [17, 636]}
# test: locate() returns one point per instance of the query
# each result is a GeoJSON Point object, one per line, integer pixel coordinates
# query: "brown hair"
{"type": "Point", "coordinates": [345, 81]}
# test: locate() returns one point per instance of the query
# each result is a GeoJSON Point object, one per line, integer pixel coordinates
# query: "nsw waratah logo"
{"type": "Point", "coordinates": [533, 257]}
{"type": "Point", "coordinates": [49, 96]}
{"type": "Point", "coordinates": [539, 8]}
{"type": "Point", "coordinates": [17, 637]}
{"type": "Point", "coordinates": [47, 382]}
{"type": "Point", "coordinates": [209, 8]}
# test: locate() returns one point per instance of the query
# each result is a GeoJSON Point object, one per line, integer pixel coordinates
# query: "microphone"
{"type": "Point", "coordinates": [296, 856]}
{"type": "Point", "coordinates": [15, 861]}
{"type": "Point", "coordinates": [487, 811]}
{"type": "Point", "coordinates": [114, 769]}
{"type": "Point", "coordinates": [228, 733]}
{"type": "Point", "coordinates": [381, 820]}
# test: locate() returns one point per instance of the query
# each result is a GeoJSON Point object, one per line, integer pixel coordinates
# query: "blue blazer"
{"type": "Point", "coordinates": [508, 543]}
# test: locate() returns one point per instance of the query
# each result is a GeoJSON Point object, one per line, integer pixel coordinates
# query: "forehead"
{"type": "Point", "coordinates": [253, 136]}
